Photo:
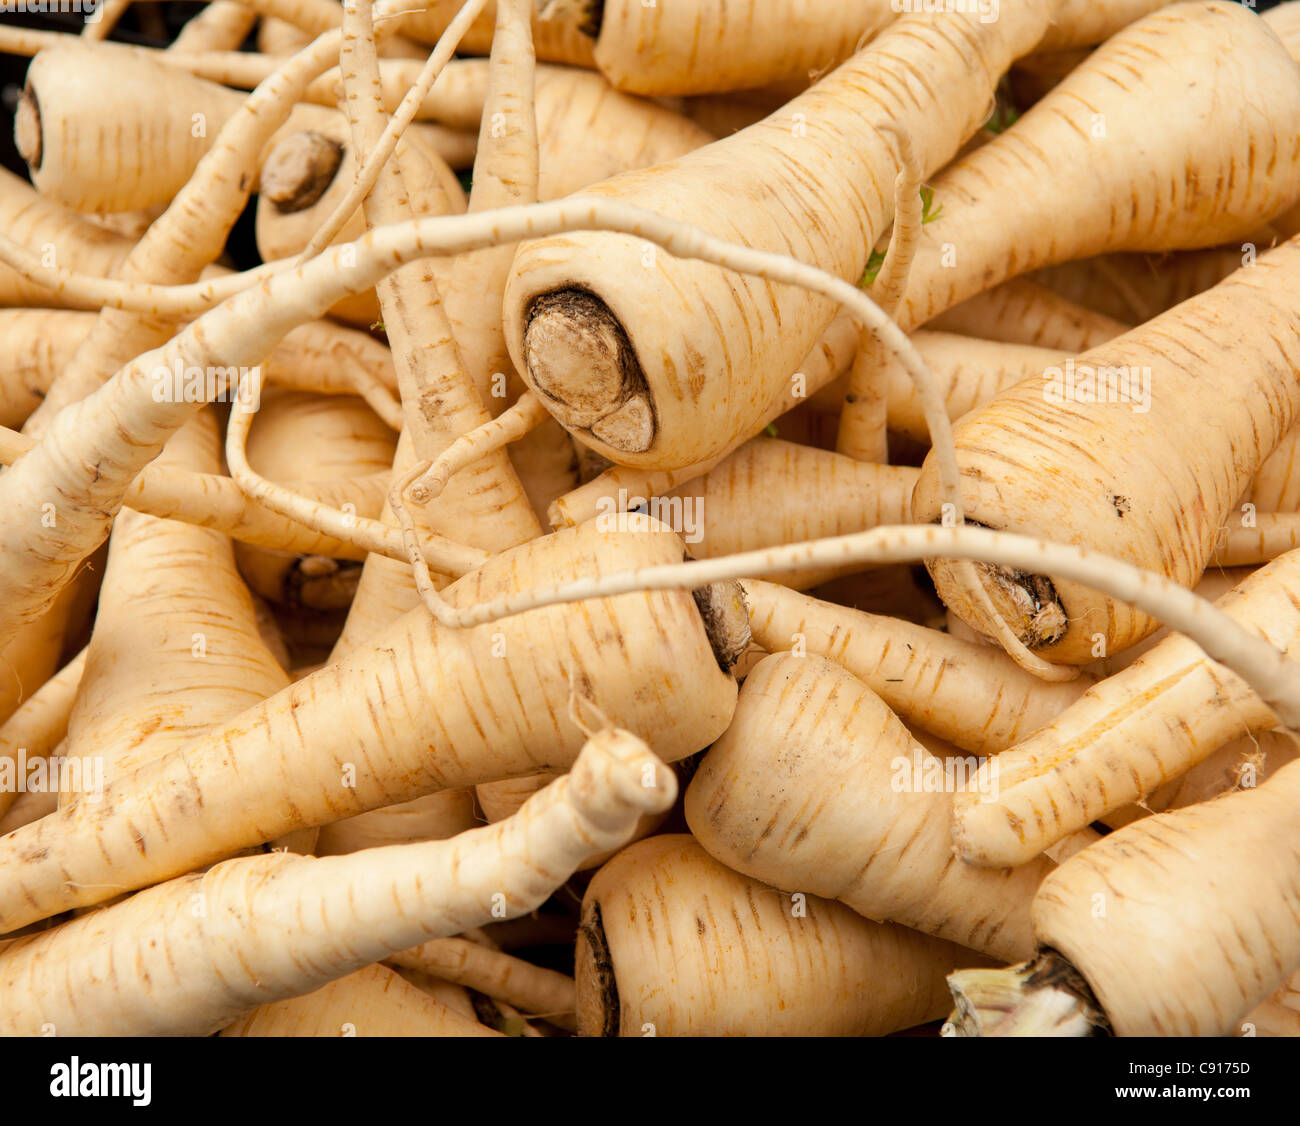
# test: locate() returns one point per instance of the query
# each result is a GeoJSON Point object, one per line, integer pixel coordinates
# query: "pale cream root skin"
{"type": "Point", "coordinates": [1193, 931]}
{"type": "Point", "coordinates": [40, 224]}
{"type": "Point", "coordinates": [534, 990]}
{"type": "Point", "coordinates": [175, 649]}
{"type": "Point", "coordinates": [713, 46]}
{"type": "Point", "coordinates": [772, 492]}
{"type": "Point", "coordinates": [1023, 312]}
{"type": "Point", "coordinates": [1130, 734]}
{"type": "Point", "coordinates": [829, 358]}
{"type": "Point", "coordinates": [1256, 169]}
{"type": "Point", "coordinates": [374, 1001]}
{"type": "Point", "coordinates": [434, 817]}
{"type": "Point", "coordinates": [971, 372]}
{"type": "Point", "coordinates": [168, 133]}
{"type": "Point", "coordinates": [1241, 764]}
{"type": "Point", "coordinates": [40, 723]}
{"type": "Point", "coordinates": [813, 788]}
{"type": "Point", "coordinates": [734, 342]}
{"type": "Point", "coordinates": [188, 956]}
{"type": "Point", "coordinates": [36, 344]}
{"type": "Point", "coordinates": [376, 736]}
{"type": "Point", "coordinates": [557, 41]}
{"type": "Point", "coordinates": [1121, 499]}
{"type": "Point", "coordinates": [300, 436]}
{"type": "Point", "coordinates": [963, 691]}
{"type": "Point", "coordinates": [283, 233]}
{"type": "Point", "coordinates": [662, 925]}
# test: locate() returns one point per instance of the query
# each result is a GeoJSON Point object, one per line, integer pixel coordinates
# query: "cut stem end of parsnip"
{"type": "Point", "coordinates": [582, 364]}
{"type": "Point", "coordinates": [598, 1003]}
{"type": "Point", "coordinates": [27, 129]}
{"type": "Point", "coordinates": [725, 612]}
{"type": "Point", "coordinates": [1028, 603]}
{"type": "Point", "coordinates": [586, 15]}
{"type": "Point", "coordinates": [1043, 997]}
{"type": "Point", "coordinates": [299, 170]}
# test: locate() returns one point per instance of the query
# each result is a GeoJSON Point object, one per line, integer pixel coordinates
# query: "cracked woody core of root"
{"type": "Point", "coordinates": [580, 360]}
{"type": "Point", "coordinates": [299, 170]}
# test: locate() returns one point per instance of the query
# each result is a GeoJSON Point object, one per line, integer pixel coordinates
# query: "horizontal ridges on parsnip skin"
{"type": "Point", "coordinates": [813, 788]}
{"type": "Point", "coordinates": [1183, 922]}
{"type": "Point", "coordinates": [1194, 187]}
{"type": "Point", "coordinates": [168, 587]}
{"type": "Point", "coordinates": [772, 492]}
{"type": "Point", "coordinates": [814, 181]}
{"type": "Point", "coordinates": [299, 169]}
{"type": "Point", "coordinates": [672, 939]}
{"type": "Point", "coordinates": [1115, 475]}
{"type": "Point", "coordinates": [190, 955]}
{"type": "Point", "coordinates": [580, 360]}
{"type": "Point", "coordinates": [1130, 733]}
{"type": "Point", "coordinates": [714, 45]}
{"type": "Point", "coordinates": [965, 692]}
{"type": "Point", "coordinates": [422, 709]}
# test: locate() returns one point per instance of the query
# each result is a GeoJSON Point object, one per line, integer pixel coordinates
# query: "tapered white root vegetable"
{"type": "Point", "coordinates": [1022, 312]}
{"type": "Point", "coordinates": [133, 427]}
{"type": "Point", "coordinates": [60, 236]}
{"type": "Point", "coordinates": [971, 373]}
{"type": "Point", "coordinates": [525, 415]}
{"type": "Point", "coordinates": [827, 360]}
{"type": "Point", "coordinates": [506, 172]}
{"type": "Point", "coordinates": [702, 46]}
{"type": "Point", "coordinates": [454, 997]}
{"type": "Point", "coordinates": [374, 132]}
{"type": "Point", "coordinates": [310, 173]}
{"type": "Point", "coordinates": [175, 649]}
{"type": "Point", "coordinates": [862, 424]}
{"type": "Point", "coordinates": [558, 40]}
{"type": "Point", "coordinates": [817, 786]}
{"type": "Point", "coordinates": [189, 235]}
{"type": "Point", "coordinates": [663, 926]}
{"type": "Point", "coordinates": [1193, 931]}
{"type": "Point", "coordinates": [487, 507]}
{"type": "Point", "coordinates": [1241, 764]}
{"type": "Point", "coordinates": [683, 345]}
{"type": "Point", "coordinates": [772, 492]}
{"type": "Point", "coordinates": [1137, 287]}
{"type": "Point", "coordinates": [29, 807]}
{"type": "Point", "coordinates": [374, 1001]}
{"type": "Point", "coordinates": [154, 965]}
{"type": "Point", "coordinates": [1276, 487]}
{"type": "Point", "coordinates": [35, 344]}
{"type": "Point", "coordinates": [546, 464]}
{"type": "Point", "coordinates": [973, 696]}
{"type": "Point", "coordinates": [222, 25]}
{"type": "Point", "coordinates": [708, 46]}
{"type": "Point", "coordinates": [363, 732]}
{"type": "Point", "coordinates": [434, 817]}
{"type": "Point", "coordinates": [37, 727]}
{"type": "Point", "coordinates": [588, 130]}
{"type": "Point", "coordinates": [66, 139]}
{"type": "Point", "coordinates": [1130, 733]}
{"type": "Point", "coordinates": [1182, 64]}
{"type": "Point", "coordinates": [1106, 454]}
{"type": "Point", "coordinates": [536, 991]}
{"type": "Point", "coordinates": [499, 800]}
{"type": "Point", "coordinates": [311, 437]}
{"type": "Point", "coordinates": [1265, 538]}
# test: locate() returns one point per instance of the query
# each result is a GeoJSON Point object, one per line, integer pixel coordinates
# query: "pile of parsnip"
{"type": "Point", "coordinates": [710, 517]}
